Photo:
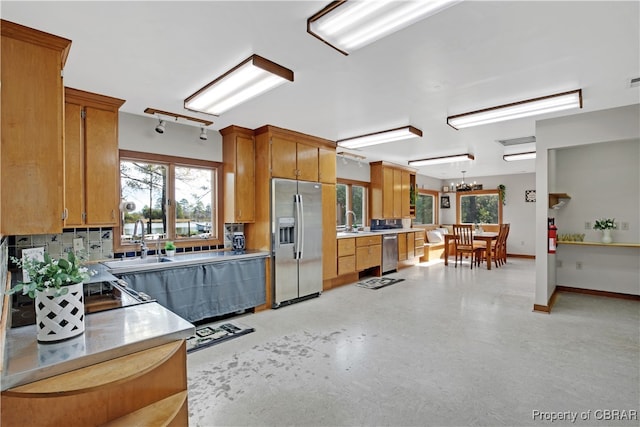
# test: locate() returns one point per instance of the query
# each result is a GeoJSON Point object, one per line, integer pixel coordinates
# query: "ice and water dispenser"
{"type": "Point", "coordinates": [286, 231]}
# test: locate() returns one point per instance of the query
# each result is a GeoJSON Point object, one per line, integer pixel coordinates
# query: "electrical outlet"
{"type": "Point", "coordinates": [587, 225]}
{"type": "Point", "coordinates": [559, 263]}
{"type": "Point", "coordinates": [624, 226]}
{"type": "Point", "coordinates": [78, 244]}
{"type": "Point", "coordinates": [578, 265]}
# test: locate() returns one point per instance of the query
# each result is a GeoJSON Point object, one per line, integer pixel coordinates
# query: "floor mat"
{"type": "Point", "coordinates": [378, 282]}
{"type": "Point", "coordinates": [209, 335]}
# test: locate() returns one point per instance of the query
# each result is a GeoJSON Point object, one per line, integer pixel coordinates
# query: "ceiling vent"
{"type": "Point", "coordinates": [517, 141]}
{"type": "Point", "coordinates": [634, 82]}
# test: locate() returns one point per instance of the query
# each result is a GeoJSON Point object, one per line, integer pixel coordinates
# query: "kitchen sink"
{"type": "Point", "coordinates": [133, 262]}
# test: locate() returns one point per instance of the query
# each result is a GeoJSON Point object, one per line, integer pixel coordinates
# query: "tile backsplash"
{"type": "Point", "coordinates": [97, 243]}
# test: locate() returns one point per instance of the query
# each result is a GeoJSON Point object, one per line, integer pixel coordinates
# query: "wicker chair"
{"type": "Point", "coordinates": [464, 244]}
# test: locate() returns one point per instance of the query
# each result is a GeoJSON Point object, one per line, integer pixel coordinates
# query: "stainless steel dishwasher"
{"type": "Point", "coordinates": [389, 252]}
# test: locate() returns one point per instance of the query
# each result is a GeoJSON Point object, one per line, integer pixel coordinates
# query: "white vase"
{"type": "Point", "coordinates": [62, 317]}
{"type": "Point", "coordinates": [606, 236]}
{"type": "Point", "coordinates": [170, 252]}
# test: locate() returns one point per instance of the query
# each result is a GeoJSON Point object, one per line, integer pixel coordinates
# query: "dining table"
{"type": "Point", "coordinates": [485, 236]}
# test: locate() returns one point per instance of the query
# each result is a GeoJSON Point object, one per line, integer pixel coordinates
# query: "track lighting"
{"type": "Point", "coordinates": [160, 126]}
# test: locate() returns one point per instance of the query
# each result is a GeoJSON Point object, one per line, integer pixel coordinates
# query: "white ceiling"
{"type": "Point", "coordinates": [474, 55]}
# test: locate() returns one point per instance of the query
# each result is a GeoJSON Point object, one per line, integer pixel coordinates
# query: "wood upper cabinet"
{"type": "Point", "coordinates": [327, 165]}
{"type": "Point", "coordinates": [390, 191]}
{"type": "Point", "coordinates": [298, 156]}
{"type": "Point", "coordinates": [32, 114]}
{"type": "Point", "coordinates": [238, 154]}
{"type": "Point", "coordinates": [92, 166]}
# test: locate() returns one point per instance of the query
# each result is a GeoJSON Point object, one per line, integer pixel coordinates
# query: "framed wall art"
{"type": "Point", "coordinates": [444, 202]}
{"type": "Point", "coordinates": [530, 195]}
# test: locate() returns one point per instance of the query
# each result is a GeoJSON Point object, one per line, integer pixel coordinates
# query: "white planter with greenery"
{"type": "Point", "coordinates": [605, 225]}
{"type": "Point", "coordinates": [60, 317]}
{"type": "Point", "coordinates": [57, 287]}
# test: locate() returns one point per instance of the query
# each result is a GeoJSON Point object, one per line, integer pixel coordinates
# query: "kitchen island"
{"type": "Point", "coordinates": [128, 366]}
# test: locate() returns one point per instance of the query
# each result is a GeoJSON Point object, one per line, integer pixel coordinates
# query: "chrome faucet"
{"type": "Point", "coordinates": [143, 246]}
{"type": "Point", "coordinates": [350, 228]}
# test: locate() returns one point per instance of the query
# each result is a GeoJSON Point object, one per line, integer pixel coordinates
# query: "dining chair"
{"type": "Point", "coordinates": [499, 246]}
{"type": "Point", "coordinates": [464, 244]}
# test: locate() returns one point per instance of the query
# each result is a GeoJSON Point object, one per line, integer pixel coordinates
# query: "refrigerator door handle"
{"type": "Point", "coordinates": [298, 230]}
{"type": "Point", "coordinates": [301, 244]}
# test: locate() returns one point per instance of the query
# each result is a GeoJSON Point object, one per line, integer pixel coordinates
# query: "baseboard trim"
{"type": "Point", "coordinates": [546, 309]}
{"type": "Point", "coordinates": [607, 294]}
{"type": "Point", "coordinates": [521, 256]}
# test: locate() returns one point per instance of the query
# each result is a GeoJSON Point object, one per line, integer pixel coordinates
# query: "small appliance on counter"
{"type": "Point", "coordinates": [385, 224]}
{"type": "Point", "coordinates": [238, 242]}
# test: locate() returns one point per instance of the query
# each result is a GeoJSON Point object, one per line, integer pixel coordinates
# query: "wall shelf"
{"type": "Point", "coordinates": [554, 198]}
{"type": "Point", "coordinates": [617, 245]}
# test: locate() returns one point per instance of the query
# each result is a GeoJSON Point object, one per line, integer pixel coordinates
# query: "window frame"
{"type": "Point", "coordinates": [350, 183]}
{"type": "Point", "coordinates": [460, 194]}
{"type": "Point", "coordinates": [436, 206]}
{"type": "Point", "coordinates": [171, 162]}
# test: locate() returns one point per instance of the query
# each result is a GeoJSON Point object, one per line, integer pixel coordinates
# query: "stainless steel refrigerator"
{"type": "Point", "coordinates": [297, 240]}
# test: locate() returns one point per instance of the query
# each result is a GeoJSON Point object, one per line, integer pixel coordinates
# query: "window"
{"type": "Point", "coordinates": [479, 207]}
{"type": "Point", "coordinates": [175, 199]}
{"type": "Point", "coordinates": [425, 207]}
{"type": "Point", "coordinates": [351, 196]}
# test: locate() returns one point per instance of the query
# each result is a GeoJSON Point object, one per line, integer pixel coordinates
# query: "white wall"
{"type": "Point", "coordinates": [579, 130]}
{"type": "Point", "coordinates": [347, 168]}
{"type": "Point", "coordinates": [137, 133]}
{"type": "Point", "coordinates": [603, 181]}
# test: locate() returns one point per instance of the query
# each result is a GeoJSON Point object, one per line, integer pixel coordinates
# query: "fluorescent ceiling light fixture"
{"type": "Point", "coordinates": [516, 110]}
{"type": "Point", "coordinates": [519, 156]}
{"type": "Point", "coordinates": [380, 137]}
{"type": "Point", "coordinates": [349, 25]}
{"type": "Point", "coordinates": [441, 160]}
{"type": "Point", "coordinates": [250, 78]}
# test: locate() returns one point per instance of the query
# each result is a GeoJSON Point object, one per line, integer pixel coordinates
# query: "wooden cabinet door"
{"type": "Point", "coordinates": [397, 193]}
{"type": "Point", "coordinates": [329, 243]}
{"type": "Point", "coordinates": [375, 255]}
{"type": "Point", "coordinates": [244, 192]}
{"type": "Point", "coordinates": [362, 258]}
{"type": "Point", "coordinates": [387, 193]}
{"type": "Point", "coordinates": [307, 161]}
{"type": "Point", "coordinates": [402, 247]}
{"type": "Point", "coordinates": [405, 196]}
{"type": "Point", "coordinates": [283, 158]}
{"type": "Point", "coordinates": [411, 245]}
{"type": "Point", "coordinates": [102, 171]}
{"type": "Point", "coordinates": [32, 114]}
{"type": "Point", "coordinates": [74, 165]}
{"type": "Point", "coordinates": [327, 165]}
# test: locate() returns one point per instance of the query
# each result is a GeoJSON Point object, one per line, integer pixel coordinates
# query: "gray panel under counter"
{"type": "Point", "coordinates": [108, 335]}
{"type": "Point", "coordinates": [204, 290]}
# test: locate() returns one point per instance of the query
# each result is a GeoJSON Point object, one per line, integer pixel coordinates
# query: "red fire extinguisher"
{"type": "Point", "coordinates": [553, 237]}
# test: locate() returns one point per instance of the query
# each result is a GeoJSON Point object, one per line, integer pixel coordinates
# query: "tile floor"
{"type": "Point", "coordinates": [446, 346]}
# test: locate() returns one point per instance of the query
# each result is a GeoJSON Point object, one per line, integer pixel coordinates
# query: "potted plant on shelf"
{"type": "Point", "coordinates": [606, 225]}
{"type": "Point", "coordinates": [170, 248]}
{"type": "Point", "coordinates": [56, 285]}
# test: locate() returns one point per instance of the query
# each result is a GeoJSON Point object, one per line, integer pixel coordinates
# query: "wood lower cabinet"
{"type": "Point", "coordinates": [406, 246]}
{"type": "Point", "coordinates": [144, 388]}
{"type": "Point", "coordinates": [92, 165]}
{"type": "Point", "coordinates": [346, 256]}
{"type": "Point", "coordinates": [32, 117]}
{"type": "Point", "coordinates": [419, 244]}
{"type": "Point", "coordinates": [239, 180]}
{"type": "Point", "coordinates": [368, 252]}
